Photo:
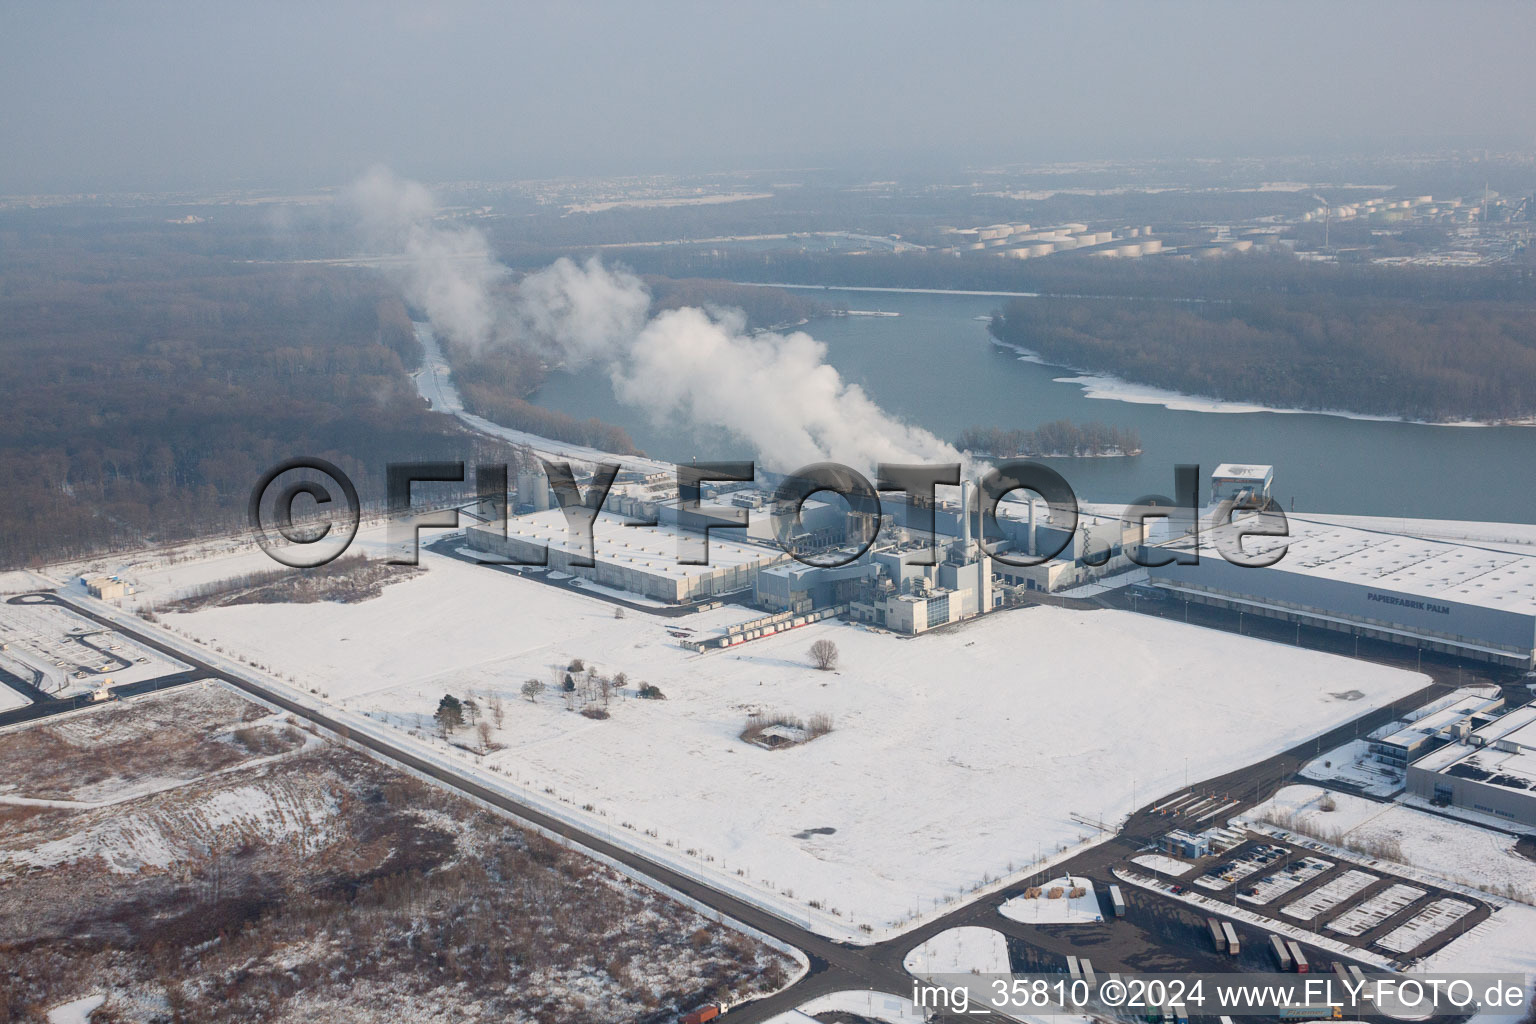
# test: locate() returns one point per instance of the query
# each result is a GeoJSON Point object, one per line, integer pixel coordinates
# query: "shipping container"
{"type": "Point", "coordinates": [1218, 937]}
{"type": "Point", "coordinates": [1302, 967]}
{"type": "Point", "coordinates": [1089, 976]}
{"type": "Point", "coordinates": [1117, 901]}
{"type": "Point", "coordinates": [1282, 955]}
{"type": "Point", "coordinates": [1072, 967]}
{"type": "Point", "coordinates": [1233, 947]}
{"type": "Point", "coordinates": [702, 1014]}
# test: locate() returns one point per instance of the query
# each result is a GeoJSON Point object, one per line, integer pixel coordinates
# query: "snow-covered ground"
{"type": "Point", "coordinates": [956, 716]}
{"type": "Point", "coordinates": [1065, 909]}
{"type": "Point", "coordinates": [967, 950]}
{"type": "Point", "coordinates": [1454, 851]}
{"type": "Point", "coordinates": [881, 1006]}
{"type": "Point", "coordinates": [1505, 942]}
{"type": "Point", "coordinates": [1163, 864]}
{"type": "Point", "coordinates": [1354, 764]}
{"type": "Point", "coordinates": [158, 838]}
{"type": "Point", "coordinates": [77, 1011]}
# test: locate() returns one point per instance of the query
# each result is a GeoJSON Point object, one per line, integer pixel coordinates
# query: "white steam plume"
{"type": "Point", "coordinates": [774, 391]}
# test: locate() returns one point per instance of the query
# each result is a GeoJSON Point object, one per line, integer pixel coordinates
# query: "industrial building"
{"type": "Point", "coordinates": [107, 588]}
{"type": "Point", "coordinates": [1247, 486]}
{"type": "Point", "coordinates": [1456, 598]}
{"type": "Point", "coordinates": [629, 555]}
{"type": "Point", "coordinates": [1466, 712]}
{"type": "Point", "coordinates": [1490, 770]}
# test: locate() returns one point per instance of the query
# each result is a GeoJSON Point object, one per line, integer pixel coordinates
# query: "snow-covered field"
{"type": "Point", "coordinates": [1451, 850]}
{"type": "Point", "coordinates": [158, 838]}
{"type": "Point", "coordinates": [1065, 909]}
{"type": "Point", "coordinates": [994, 734]}
{"type": "Point", "coordinates": [967, 950]}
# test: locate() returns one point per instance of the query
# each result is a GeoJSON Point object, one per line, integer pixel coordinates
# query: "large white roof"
{"type": "Point", "coordinates": [652, 549]}
{"type": "Point", "coordinates": [1432, 569]}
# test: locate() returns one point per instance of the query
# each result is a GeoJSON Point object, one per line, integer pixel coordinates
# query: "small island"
{"type": "Point", "coordinates": [1061, 439]}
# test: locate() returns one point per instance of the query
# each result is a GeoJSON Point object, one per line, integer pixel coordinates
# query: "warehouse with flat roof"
{"type": "Point", "coordinates": [1491, 771]}
{"type": "Point", "coordinates": [1458, 598]}
{"type": "Point", "coordinates": [629, 555]}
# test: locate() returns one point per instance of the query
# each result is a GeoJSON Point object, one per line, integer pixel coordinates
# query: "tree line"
{"type": "Point", "coordinates": [1435, 361]}
{"type": "Point", "coordinates": [1058, 438]}
{"type": "Point", "coordinates": [148, 394]}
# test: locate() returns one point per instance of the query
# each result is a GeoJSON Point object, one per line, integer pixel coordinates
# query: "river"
{"type": "Point", "coordinates": [935, 366]}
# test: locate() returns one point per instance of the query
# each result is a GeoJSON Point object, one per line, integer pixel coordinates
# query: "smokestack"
{"type": "Point", "coordinates": [1031, 549]}
{"type": "Point", "coordinates": [965, 517]}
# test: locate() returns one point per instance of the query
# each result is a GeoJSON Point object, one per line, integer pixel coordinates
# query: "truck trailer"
{"type": "Point", "coordinates": [1233, 947]}
{"type": "Point", "coordinates": [1282, 955]}
{"type": "Point", "coordinates": [1218, 937]}
{"type": "Point", "coordinates": [1302, 967]}
{"type": "Point", "coordinates": [1117, 901]}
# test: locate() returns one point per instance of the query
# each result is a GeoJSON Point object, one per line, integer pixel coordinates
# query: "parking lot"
{"type": "Point", "coordinates": [1364, 904]}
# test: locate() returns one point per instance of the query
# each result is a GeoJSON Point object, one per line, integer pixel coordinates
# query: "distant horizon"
{"type": "Point", "coordinates": [177, 97]}
{"type": "Point", "coordinates": [836, 176]}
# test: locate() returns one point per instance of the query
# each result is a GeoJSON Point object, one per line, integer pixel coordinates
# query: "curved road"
{"type": "Point", "coordinates": [833, 965]}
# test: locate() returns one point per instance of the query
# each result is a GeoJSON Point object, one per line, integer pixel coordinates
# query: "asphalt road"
{"type": "Point", "coordinates": [1161, 938]}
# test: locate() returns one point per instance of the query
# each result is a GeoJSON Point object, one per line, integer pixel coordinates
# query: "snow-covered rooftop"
{"type": "Point", "coordinates": [1434, 569]}
{"type": "Point", "coordinates": [1517, 727]}
{"type": "Point", "coordinates": [1239, 471]}
{"type": "Point", "coordinates": [624, 542]}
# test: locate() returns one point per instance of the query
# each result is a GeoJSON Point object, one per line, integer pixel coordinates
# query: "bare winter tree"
{"type": "Point", "coordinates": [484, 732]}
{"type": "Point", "coordinates": [531, 689]}
{"type": "Point", "coordinates": [824, 655]}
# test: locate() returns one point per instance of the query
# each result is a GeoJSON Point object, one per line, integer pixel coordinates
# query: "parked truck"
{"type": "Point", "coordinates": [1300, 960]}
{"type": "Point", "coordinates": [1310, 1013]}
{"type": "Point", "coordinates": [1233, 947]}
{"type": "Point", "coordinates": [1218, 937]}
{"type": "Point", "coordinates": [707, 1012]}
{"type": "Point", "coordinates": [1282, 955]}
{"type": "Point", "coordinates": [1117, 901]}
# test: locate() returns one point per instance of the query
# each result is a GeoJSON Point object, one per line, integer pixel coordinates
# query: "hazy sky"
{"type": "Point", "coordinates": [294, 94]}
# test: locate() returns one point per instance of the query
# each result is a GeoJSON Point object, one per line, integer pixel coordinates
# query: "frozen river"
{"type": "Point", "coordinates": [935, 366]}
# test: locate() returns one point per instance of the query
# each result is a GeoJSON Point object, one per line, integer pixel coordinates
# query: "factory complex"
{"type": "Point", "coordinates": [1455, 598]}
